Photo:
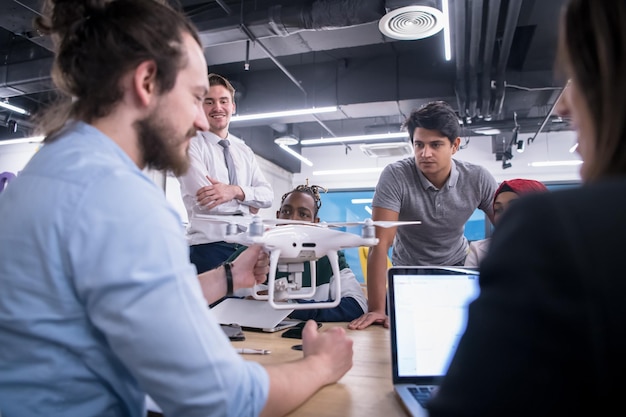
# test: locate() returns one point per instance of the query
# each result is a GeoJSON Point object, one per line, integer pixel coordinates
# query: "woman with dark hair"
{"type": "Point", "coordinates": [546, 337]}
{"type": "Point", "coordinates": [508, 192]}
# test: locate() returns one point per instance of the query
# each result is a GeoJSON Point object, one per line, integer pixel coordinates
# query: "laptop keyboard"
{"type": "Point", "coordinates": [422, 393]}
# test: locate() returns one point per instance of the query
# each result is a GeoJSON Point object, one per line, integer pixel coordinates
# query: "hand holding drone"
{"type": "Point", "coordinates": [290, 244]}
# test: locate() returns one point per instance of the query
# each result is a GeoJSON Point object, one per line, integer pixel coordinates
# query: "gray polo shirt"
{"type": "Point", "coordinates": [439, 240]}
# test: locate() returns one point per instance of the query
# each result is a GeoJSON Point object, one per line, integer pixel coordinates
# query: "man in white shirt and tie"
{"type": "Point", "coordinates": [223, 178]}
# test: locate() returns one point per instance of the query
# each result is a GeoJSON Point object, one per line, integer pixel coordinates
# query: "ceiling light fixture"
{"type": "Point", "coordinates": [573, 148]}
{"type": "Point", "coordinates": [348, 171]}
{"type": "Point", "coordinates": [285, 113]}
{"type": "Point", "coordinates": [521, 145]}
{"type": "Point", "coordinates": [343, 139]}
{"type": "Point", "coordinates": [487, 131]}
{"type": "Point", "coordinates": [288, 140]}
{"type": "Point", "coordinates": [446, 30]}
{"type": "Point", "coordinates": [296, 154]}
{"type": "Point", "coordinates": [554, 163]}
{"type": "Point", "coordinates": [33, 139]}
{"type": "Point", "coordinates": [11, 107]}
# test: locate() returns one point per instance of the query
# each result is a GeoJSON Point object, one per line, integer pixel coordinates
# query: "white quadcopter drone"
{"type": "Point", "coordinates": [290, 244]}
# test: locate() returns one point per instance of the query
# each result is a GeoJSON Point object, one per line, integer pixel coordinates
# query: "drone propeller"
{"type": "Point", "coordinates": [370, 222]}
{"type": "Point", "coordinates": [246, 220]}
{"type": "Point", "coordinates": [253, 221]}
{"type": "Point", "coordinates": [257, 220]}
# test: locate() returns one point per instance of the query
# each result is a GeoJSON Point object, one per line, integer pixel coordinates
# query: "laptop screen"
{"type": "Point", "coordinates": [427, 312]}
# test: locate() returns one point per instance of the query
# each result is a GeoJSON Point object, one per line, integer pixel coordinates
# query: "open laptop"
{"type": "Point", "coordinates": [428, 312]}
{"type": "Point", "coordinates": [252, 315]}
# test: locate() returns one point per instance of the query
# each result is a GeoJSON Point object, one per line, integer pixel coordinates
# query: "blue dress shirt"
{"type": "Point", "coordinates": [99, 304]}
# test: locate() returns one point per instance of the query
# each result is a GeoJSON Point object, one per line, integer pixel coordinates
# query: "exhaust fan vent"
{"type": "Point", "coordinates": [385, 150]}
{"type": "Point", "coordinates": [411, 22]}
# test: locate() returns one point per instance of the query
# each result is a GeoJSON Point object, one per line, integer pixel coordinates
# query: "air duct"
{"type": "Point", "coordinates": [411, 20]}
{"type": "Point", "coordinates": [280, 20]}
{"type": "Point", "coordinates": [285, 20]}
{"type": "Point", "coordinates": [386, 150]}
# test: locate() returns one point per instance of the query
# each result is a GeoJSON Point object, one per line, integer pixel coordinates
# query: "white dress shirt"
{"type": "Point", "coordinates": [207, 159]}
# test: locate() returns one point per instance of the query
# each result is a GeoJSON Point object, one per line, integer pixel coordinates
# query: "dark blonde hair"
{"type": "Point", "coordinates": [98, 41]}
{"type": "Point", "coordinates": [216, 79]}
{"type": "Point", "coordinates": [592, 51]}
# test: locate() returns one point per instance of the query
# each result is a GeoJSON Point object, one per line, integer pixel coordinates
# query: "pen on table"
{"type": "Point", "coordinates": [247, 351]}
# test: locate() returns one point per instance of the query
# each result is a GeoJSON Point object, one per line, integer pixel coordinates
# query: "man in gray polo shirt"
{"type": "Point", "coordinates": [431, 187]}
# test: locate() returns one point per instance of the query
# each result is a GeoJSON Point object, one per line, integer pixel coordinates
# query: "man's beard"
{"type": "Point", "coordinates": [161, 145]}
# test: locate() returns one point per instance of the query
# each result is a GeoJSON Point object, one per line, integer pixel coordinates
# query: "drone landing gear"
{"type": "Point", "coordinates": [291, 286]}
{"type": "Point", "coordinates": [281, 290]}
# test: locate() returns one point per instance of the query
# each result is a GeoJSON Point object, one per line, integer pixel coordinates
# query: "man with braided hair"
{"type": "Point", "coordinates": [303, 203]}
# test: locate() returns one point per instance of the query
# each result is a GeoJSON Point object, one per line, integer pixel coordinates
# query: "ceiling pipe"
{"type": "Point", "coordinates": [280, 66]}
{"type": "Point", "coordinates": [278, 21]}
{"type": "Point", "coordinates": [269, 54]}
{"type": "Point", "coordinates": [545, 120]}
{"type": "Point", "coordinates": [327, 14]}
{"type": "Point", "coordinates": [26, 77]}
{"type": "Point", "coordinates": [281, 20]}
{"type": "Point", "coordinates": [474, 52]}
{"type": "Point", "coordinates": [526, 125]}
{"type": "Point", "coordinates": [460, 28]}
{"type": "Point", "coordinates": [512, 15]}
{"type": "Point", "coordinates": [224, 6]}
{"type": "Point", "coordinates": [490, 39]}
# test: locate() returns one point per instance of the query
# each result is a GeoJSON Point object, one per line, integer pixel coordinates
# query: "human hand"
{"type": "Point", "coordinates": [211, 196]}
{"type": "Point", "coordinates": [332, 347]}
{"type": "Point", "coordinates": [373, 317]}
{"type": "Point", "coordinates": [250, 268]}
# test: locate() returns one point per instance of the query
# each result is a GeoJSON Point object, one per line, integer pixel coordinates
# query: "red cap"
{"type": "Point", "coordinates": [520, 186]}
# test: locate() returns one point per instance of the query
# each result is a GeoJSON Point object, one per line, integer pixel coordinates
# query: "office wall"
{"type": "Point", "coordinates": [546, 147]}
{"type": "Point", "coordinates": [14, 157]}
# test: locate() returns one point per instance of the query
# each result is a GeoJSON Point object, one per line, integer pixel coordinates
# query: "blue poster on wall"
{"type": "Point", "coordinates": [356, 206]}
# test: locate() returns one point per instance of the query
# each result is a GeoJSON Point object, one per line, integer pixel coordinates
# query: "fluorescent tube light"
{"type": "Point", "coordinates": [296, 154]}
{"type": "Point", "coordinates": [487, 131]}
{"type": "Point", "coordinates": [573, 148]}
{"type": "Point", "coordinates": [348, 171]}
{"type": "Point", "coordinates": [33, 139]}
{"type": "Point", "coordinates": [342, 139]}
{"type": "Point", "coordinates": [11, 107]}
{"type": "Point", "coordinates": [446, 30]}
{"type": "Point", "coordinates": [361, 200]}
{"type": "Point", "coordinates": [368, 209]}
{"type": "Point", "coordinates": [554, 163]}
{"type": "Point", "coordinates": [299, 112]}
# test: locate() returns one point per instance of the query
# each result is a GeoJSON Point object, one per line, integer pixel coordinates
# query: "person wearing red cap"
{"type": "Point", "coordinates": [507, 192]}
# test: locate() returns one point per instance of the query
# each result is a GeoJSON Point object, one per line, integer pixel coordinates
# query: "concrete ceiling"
{"type": "Point", "coordinates": [306, 53]}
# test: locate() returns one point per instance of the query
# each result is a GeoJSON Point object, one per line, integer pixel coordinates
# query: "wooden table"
{"type": "Point", "coordinates": [366, 389]}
